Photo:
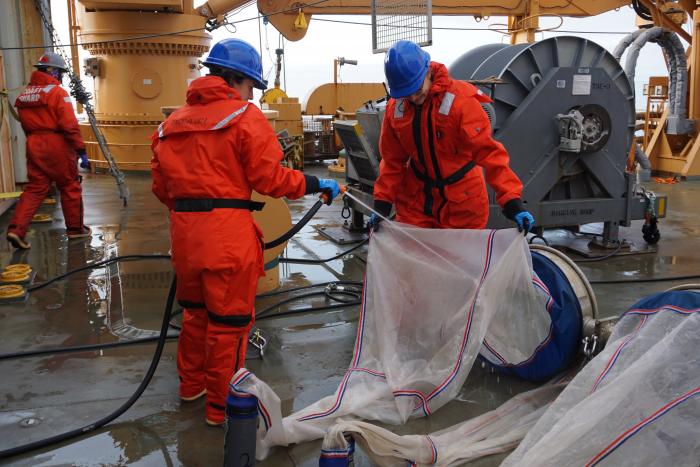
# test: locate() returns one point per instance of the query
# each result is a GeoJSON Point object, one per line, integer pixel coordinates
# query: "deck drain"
{"type": "Point", "coordinates": [29, 422]}
{"type": "Point", "coordinates": [54, 306]}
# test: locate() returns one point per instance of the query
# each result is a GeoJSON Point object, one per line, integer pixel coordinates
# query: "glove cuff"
{"type": "Point", "coordinates": [312, 185]}
{"type": "Point", "coordinates": [382, 207]}
{"type": "Point", "coordinates": [512, 208]}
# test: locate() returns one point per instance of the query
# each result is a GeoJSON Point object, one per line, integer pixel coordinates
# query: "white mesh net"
{"type": "Point", "coordinates": [430, 296]}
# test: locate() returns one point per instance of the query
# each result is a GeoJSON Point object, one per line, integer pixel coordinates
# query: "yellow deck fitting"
{"type": "Point", "coordinates": [49, 201]}
{"type": "Point", "coordinates": [14, 276]}
{"type": "Point", "coordinates": [11, 291]}
{"type": "Point", "coordinates": [19, 267]}
{"type": "Point", "coordinates": [337, 166]}
{"type": "Point", "coordinates": [16, 273]}
{"type": "Point", "coordinates": [42, 218]}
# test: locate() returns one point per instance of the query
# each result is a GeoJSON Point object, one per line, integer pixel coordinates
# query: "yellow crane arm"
{"type": "Point", "coordinates": [284, 22]}
{"type": "Point", "coordinates": [288, 22]}
{"type": "Point", "coordinates": [218, 8]}
{"type": "Point", "coordinates": [455, 7]}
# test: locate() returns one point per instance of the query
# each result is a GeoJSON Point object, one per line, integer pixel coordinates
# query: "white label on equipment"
{"type": "Point", "coordinates": [581, 86]}
{"type": "Point", "coordinates": [147, 81]}
{"type": "Point", "coordinates": [561, 83]}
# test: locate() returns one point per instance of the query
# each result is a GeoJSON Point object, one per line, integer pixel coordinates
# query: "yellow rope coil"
{"type": "Point", "coordinates": [19, 267]}
{"type": "Point", "coordinates": [11, 291]}
{"type": "Point", "coordinates": [42, 218]}
{"type": "Point", "coordinates": [13, 276]}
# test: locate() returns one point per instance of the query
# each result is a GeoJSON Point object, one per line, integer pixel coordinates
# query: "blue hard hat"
{"type": "Point", "coordinates": [240, 56]}
{"type": "Point", "coordinates": [405, 67]}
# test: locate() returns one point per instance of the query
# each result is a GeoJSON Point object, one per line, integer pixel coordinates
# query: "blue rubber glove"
{"type": "Point", "coordinates": [84, 162]}
{"type": "Point", "coordinates": [525, 221]}
{"type": "Point", "coordinates": [329, 186]}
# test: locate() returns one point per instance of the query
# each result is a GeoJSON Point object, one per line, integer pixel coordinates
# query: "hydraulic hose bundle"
{"type": "Point", "coordinates": [332, 290]}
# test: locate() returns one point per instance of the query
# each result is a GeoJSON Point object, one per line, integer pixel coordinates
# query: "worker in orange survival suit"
{"type": "Point", "coordinates": [434, 135]}
{"type": "Point", "coordinates": [53, 142]}
{"type": "Point", "coordinates": [207, 158]}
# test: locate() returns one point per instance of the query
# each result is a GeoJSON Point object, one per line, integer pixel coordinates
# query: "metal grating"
{"type": "Point", "coordinates": [395, 20]}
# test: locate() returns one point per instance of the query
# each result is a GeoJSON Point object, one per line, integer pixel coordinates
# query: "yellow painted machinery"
{"type": "Point", "coordinates": [135, 78]}
{"type": "Point", "coordinates": [329, 98]}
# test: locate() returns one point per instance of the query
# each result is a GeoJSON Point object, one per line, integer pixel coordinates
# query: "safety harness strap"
{"type": "Point", "coordinates": [208, 204]}
{"type": "Point", "coordinates": [191, 305]}
{"type": "Point", "coordinates": [454, 178]}
{"type": "Point", "coordinates": [237, 321]}
{"type": "Point", "coordinates": [436, 165]}
{"type": "Point", "coordinates": [43, 132]}
{"type": "Point", "coordinates": [418, 140]}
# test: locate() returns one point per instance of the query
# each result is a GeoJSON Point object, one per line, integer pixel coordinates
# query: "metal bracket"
{"type": "Point", "coordinates": [258, 341]}
{"type": "Point", "coordinates": [570, 131]}
{"type": "Point", "coordinates": [650, 196]}
{"type": "Point", "coordinates": [590, 345]}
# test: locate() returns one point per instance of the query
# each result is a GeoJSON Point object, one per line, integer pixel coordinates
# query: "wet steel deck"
{"type": "Point", "coordinates": [305, 361]}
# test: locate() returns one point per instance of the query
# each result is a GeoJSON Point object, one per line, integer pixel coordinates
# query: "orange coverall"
{"type": "Point", "coordinates": [430, 156]}
{"type": "Point", "coordinates": [217, 147]}
{"type": "Point", "coordinates": [53, 137]}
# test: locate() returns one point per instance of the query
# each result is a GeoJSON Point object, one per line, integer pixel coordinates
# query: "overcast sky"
{"type": "Point", "coordinates": [309, 62]}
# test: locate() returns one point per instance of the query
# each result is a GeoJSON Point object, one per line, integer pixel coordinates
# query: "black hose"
{"type": "Point", "coordinates": [600, 258]}
{"type": "Point", "coordinates": [540, 237]}
{"type": "Point", "coordinates": [320, 261]}
{"type": "Point", "coordinates": [163, 336]}
{"type": "Point", "coordinates": [333, 295]}
{"type": "Point", "coordinates": [83, 348]}
{"type": "Point", "coordinates": [267, 309]}
{"type": "Point", "coordinates": [145, 340]}
{"type": "Point", "coordinates": [124, 407]}
{"type": "Point", "coordinates": [276, 242]}
{"type": "Point", "coordinates": [98, 264]}
{"type": "Point", "coordinates": [261, 313]}
{"type": "Point", "coordinates": [333, 292]}
{"type": "Point", "coordinates": [650, 279]}
{"type": "Point", "coordinates": [305, 287]}
{"type": "Point", "coordinates": [297, 227]}
{"type": "Point", "coordinates": [308, 310]}
{"type": "Point", "coordinates": [642, 11]}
